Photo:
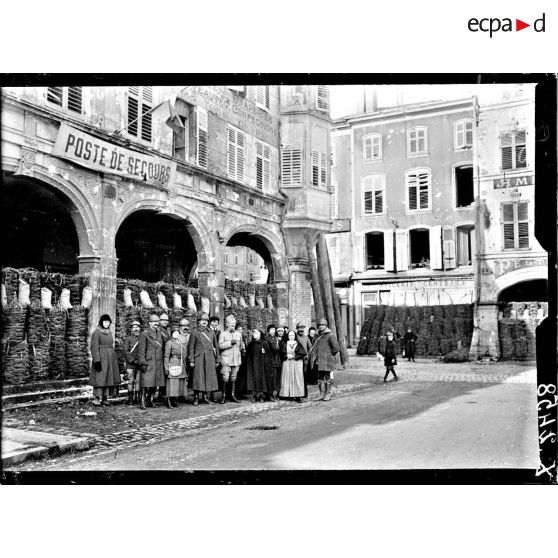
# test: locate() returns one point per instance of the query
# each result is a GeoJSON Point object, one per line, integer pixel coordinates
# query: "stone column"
{"type": "Point", "coordinates": [301, 294]}
{"type": "Point", "coordinates": [485, 340]}
{"type": "Point", "coordinates": [212, 286]}
{"type": "Point", "coordinates": [282, 302]}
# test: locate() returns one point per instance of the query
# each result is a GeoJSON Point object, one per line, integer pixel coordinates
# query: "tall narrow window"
{"type": "Point", "coordinates": [236, 142]}
{"type": "Point", "coordinates": [202, 137]}
{"type": "Point", "coordinates": [373, 193]}
{"type": "Point", "coordinates": [291, 166]}
{"type": "Point", "coordinates": [515, 225]}
{"type": "Point", "coordinates": [464, 192]}
{"type": "Point", "coordinates": [140, 103]}
{"type": "Point", "coordinates": [465, 244]}
{"type": "Point", "coordinates": [463, 134]}
{"type": "Point", "coordinates": [69, 98]}
{"type": "Point", "coordinates": [419, 239]}
{"type": "Point", "coordinates": [375, 250]}
{"type": "Point", "coordinates": [262, 96]}
{"type": "Point", "coordinates": [418, 189]}
{"type": "Point", "coordinates": [263, 165]}
{"type": "Point", "coordinates": [416, 140]}
{"type": "Point", "coordinates": [513, 148]}
{"type": "Point", "coordinates": [319, 169]}
{"type": "Point", "coordinates": [322, 97]}
{"type": "Point", "coordinates": [372, 147]}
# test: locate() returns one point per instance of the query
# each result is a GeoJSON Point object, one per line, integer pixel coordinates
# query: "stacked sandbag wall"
{"type": "Point", "coordinates": [439, 329]}
{"type": "Point", "coordinates": [44, 326]}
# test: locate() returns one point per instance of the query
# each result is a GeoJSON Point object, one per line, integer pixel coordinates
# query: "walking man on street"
{"type": "Point", "coordinates": [322, 354]}
{"type": "Point", "coordinates": [130, 350]}
{"type": "Point", "coordinates": [390, 356]}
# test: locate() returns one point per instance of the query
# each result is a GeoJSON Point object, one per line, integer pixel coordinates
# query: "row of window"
{"type": "Point", "coordinates": [418, 189]}
{"type": "Point", "coordinates": [512, 144]}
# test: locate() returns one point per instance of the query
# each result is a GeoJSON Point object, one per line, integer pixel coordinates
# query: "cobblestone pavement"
{"type": "Point", "coordinates": [369, 369]}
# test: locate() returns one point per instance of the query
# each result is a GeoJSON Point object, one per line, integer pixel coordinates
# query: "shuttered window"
{"type": "Point", "coordinates": [463, 136]}
{"type": "Point", "coordinates": [515, 225]}
{"type": "Point", "coordinates": [140, 104]}
{"type": "Point", "coordinates": [236, 142]}
{"type": "Point", "coordinates": [319, 169]}
{"type": "Point", "coordinates": [263, 165]}
{"type": "Point", "coordinates": [514, 150]}
{"type": "Point", "coordinates": [262, 96]}
{"type": "Point", "coordinates": [322, 98]}
{"type": "Point", "coordinates": [291, 166]}
{"type": "Point", "coordinates": [418, 189]}
{"type": "Point", "coordinates": [373, 192]}
{"type": "Point", "coordinates": [201, 137]}
{"type": "Point", "coordinates": [416, 140]}
{"type": "Point", "coordinates": [372, 147]}
{"type": "Point", "coordinates": [67, 97]}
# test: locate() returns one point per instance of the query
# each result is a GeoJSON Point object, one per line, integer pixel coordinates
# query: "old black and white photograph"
{"type": "Point", "coordinates": [303, 277]}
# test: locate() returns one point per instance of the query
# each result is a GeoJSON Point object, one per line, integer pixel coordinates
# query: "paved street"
{"type": "Point", "coordinates": [437, 417]}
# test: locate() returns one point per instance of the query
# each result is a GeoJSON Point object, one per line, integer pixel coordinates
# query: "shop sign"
{"type": "Point", "coordinates": [514, 181]}
{"type": "Point", "coordinates": [341, 225]}
{"type": "Point", "coordinates": [102, 156]}
{"type": "Point", "coordinates": [505, 266]}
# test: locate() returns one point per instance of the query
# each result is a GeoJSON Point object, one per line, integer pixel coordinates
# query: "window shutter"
{"type": "Point", "coordinates": [55, 95]}
{"type": "Point", "coordinates": [473, 245]}
{"type": "Point", "coordinates": [469, 133]}
{"type": "Point", "coordinates": [291, 167]}
{"type": "Point", "coordinates": [146, 118]}
{"type": "Point", "coordinates": [412, 190]}
{"type": "Point", "coordinates": [459, 134]}
{"type": "Point", "coordinates": [449, 247]}
{"type": "Point", "coordinates": [435, 237]}
{"type": "Point", "coordinates": [315, 168]}
{"type": "Point", "coordinates": [388, 250]}
{"type": "Point", "coordinates": [262, 165]}
{"type": "Point", "coordinates": [506, 146]}
{"type": "Point", "coordinates": [523, 225]}
{"type": "Point", "coordinates": [133, 121]}
{"type": "Point", "coordinates": [402, 249]}
{"type": "Point", "coordinates": [323, 98]}
{"type": "Point", "coordinates": [202, 138]}
{"type": "Point", "coordinates": [368, 202]}
{"type": "Point", "coordinates": [379, 201]}
{"type": "Point", "coordinates": [323, 170]}
{"type": "Point", "coordinates": [520, 150]}
{"type": "Point", "coordinates": [240, 144]}
{"type": "Point", "coordinates": [75, 99]}
{"type": "Point", "coordinates": [262, 95]}
{"type": "Point", "coordinates": [423, 190]}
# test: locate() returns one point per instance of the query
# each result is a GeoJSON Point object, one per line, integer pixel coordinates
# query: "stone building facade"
{"type": "Point", "coordinates": [136, 184]}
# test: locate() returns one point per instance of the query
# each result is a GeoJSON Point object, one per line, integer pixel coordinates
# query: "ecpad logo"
{"type": "Point", "coordinates": [494, 24]}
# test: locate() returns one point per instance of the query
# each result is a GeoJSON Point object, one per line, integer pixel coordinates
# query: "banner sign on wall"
{"type": "Point", "coordinates": [96, 154]}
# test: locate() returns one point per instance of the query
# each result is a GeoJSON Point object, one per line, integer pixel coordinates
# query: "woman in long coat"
{"type": "Point", "coordinates": [276, 353]}
{"type": "Point", "coordinates": [150, 355]}
{"type": "Point", "coordinates": [175, 359]}
{"type": "Point", "coordinates": [259, 368]}
{"type": "Point", "coordinates": [202, 354]}
{"type": "Point", "coordinates": [104, 373]}
{"type": "Point", "coordinates": [292, 374]}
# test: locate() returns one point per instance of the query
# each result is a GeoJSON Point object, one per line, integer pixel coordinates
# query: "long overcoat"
{"type": "Point", "coordinates": [259, 367]}
{"type": "Point", "coordinates": [323, 351]}
{"type": "Point", "coordinates": [150, 351]}
{"type": "Point", "coordinates": [175, 355]}
{"type": "Point", "coordinates": [410, 340]}
{"type": "Point", "coordinates": [202, 351]}
{"type": "Point", "coordinates": [130, 350]}
{"type": "Point", "coordinates": [390, 354]}
{"type": "Point", "coordinates": [102, 350]}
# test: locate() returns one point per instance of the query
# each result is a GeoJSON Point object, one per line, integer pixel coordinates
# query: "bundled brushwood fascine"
{"type": "Point", "coordinates": [16, 363]}
{"type": "Point", "coordinates": [33, 278]}
{"type": "Point", "coordinates": [39, 361]}
{"type": "Point", "coordinates": [136, 286]}
{"type": "Point", "coordinates": [167, 289]}
{"type": "Point", "coordinates": [438, 312]}
{"type": "Point", "coordinates": [73, 283]}
{"type": "Point", "coordinates": [55, 282]}
{"type": "Point", "coordinates": [151, 290]}
{"type": "Point", "coordinates": [37, 324]}
{"type": "Point", "coordinates": [121, 284]}
{"type": "Point", "coordinates": [175, 315]}
{"type": "Point", "coordinates": [445, 345]}
{"type": "Point", "coordinates": [57, 334]}
{"type": "Point", "coordinates": [14, 322]}
{"type": "Point", "coordinates": [77, 362]}
{"type": "Point", "coordinates": [448, 326]}
{"type": "Point", "coordinates": [10, 278]}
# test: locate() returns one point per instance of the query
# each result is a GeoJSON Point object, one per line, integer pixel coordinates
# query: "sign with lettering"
{"type": "Point", "coordinates": [514, 181]}
{"type": "Point", "coordinates": [96, 154]}
{"type": "Point", "coordinates": [234, 109]}
{"type": "Point", "coordinates": [505, 266]}
{"type": "Point", "coordinates": [341, 225]}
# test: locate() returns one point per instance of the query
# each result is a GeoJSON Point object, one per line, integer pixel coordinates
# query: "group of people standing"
{"type": "Point", "coordinates": [172, 361]}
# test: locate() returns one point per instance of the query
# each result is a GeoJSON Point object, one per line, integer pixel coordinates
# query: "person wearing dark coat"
{"type": "Point", "coordinates": [104, 372]}
{"type": "Point", "coordinates": [311, 374]}
{"type": "Point", "coordinates": [214, 327]}
{"type": "Point", "coordinates": [151, 361]}
{"type": "Point", "coordinates": [276, 347]}
{"type": "Point", "coordinates": [202, 354]}
{"type": "Point", "coordinates": [259, 368]}
{"type": "Point", "coordinates": [410, 340]}
{"type": "Point", "coordinates": [164, 328]}
{"type": "Point", "coordinates": [390, 356]}
{"type": "Point", "coordinates": [240, 386]}
{"type": "Point", "coordinates": [322, 359]}
{"type": "Point", "coordinates": [130, 350]}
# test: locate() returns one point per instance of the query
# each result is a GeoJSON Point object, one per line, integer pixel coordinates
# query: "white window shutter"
{"type": "Point", "coordinates": [402, 250]}
{"type": "Point", "coordinates": [436, 247]}
{"type": "Point", "coordinates": [449, 247]}
{"type": "Point", "coordinates": [202, 137]}
{"type": "Point", "coordinates": [388, 250]}
{"type": "Point", "coordinates": [473, 246]}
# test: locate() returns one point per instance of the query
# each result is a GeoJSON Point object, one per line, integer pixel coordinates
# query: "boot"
{"type": "Point", "coordinates": [130, 398]}
{"type": "Point", "coordinates": [136, 396]}
{"type": "Point", "coordinates": [327, 391]}
{"type": "Point", "coordinates": [174, 401]}
{"type": "Point", "coordinates": [142, 403]}
{"type": "Point", "coordinates": [196, 398]}
{"type": "Point", "coordinates": [211, 398]}
{"type": "Point", "coordinates": [104, 401]}
{"type": "Point", "coordinates": [224, 394]}
{"type": "Point", "coordinates": [233, 396]}
{"type": "Point", "coordinates": [169, 404]}
{"type": "Point", "coordinates": [150, 394]}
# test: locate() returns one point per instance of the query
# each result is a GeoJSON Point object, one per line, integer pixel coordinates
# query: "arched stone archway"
{"type": "Point", "coordinates": [521, 275]}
